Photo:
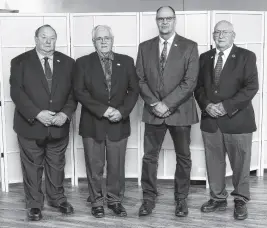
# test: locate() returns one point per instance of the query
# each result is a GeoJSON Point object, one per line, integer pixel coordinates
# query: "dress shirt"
{"type": "Point", "coordinates": [224, 56]}
{"type": "Point", "coordinates": [50, 60]}
{"type": "Point", "coordinates": [169, 44]}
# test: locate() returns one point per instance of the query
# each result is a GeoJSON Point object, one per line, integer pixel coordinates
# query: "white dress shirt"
{"type": "Point", "coordinates": [169, 44]}
{"type": "Point", "coordinates": [225, 55]}
{"type": "Point", "coordinates": [50, 60]}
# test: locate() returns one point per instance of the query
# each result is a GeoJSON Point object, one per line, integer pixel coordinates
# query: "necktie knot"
{"type": "Point", "coordinates": [46, 59]}
{"type": "Point", "coordinates": [220, 53]}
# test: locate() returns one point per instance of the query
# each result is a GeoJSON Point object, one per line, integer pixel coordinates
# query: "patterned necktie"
{"type": "Point", "coordinates": [163, 58]}
{"type": "Point", "coordinates": [48, 73]}
{"type": "Point", "coordinates": [218, 68]}
{"type": "Point", "coordinates": [107, 66]}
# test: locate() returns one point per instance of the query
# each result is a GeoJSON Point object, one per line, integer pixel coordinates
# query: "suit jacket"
{"type": "Point", "coordinates": [238, 85]}
{"type": "Point", "coordinates": [92, 92]}
{"type": "Point", "coordinates": [180, 79]}
{"type": "Point", "coordinates": [30, 93]}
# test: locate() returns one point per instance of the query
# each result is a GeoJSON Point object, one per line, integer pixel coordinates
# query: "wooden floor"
{"type": "Point", "coordinates": [13, 214]}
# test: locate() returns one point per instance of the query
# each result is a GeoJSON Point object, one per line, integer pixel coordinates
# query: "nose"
{"type": "Point", "coordinates": [221, 35]}
{"type": "Point", "coordinates": [48, 41]}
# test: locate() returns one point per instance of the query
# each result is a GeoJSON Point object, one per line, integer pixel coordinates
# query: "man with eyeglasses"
{"type": "Point", "coordinates": [228, 81]}
{"type": "Point", "coordinates": [106, 85]}
{"type": "Point", "coordinates": [167, 66]}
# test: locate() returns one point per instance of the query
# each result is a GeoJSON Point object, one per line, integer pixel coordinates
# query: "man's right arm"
{"type": "Point", "coordinates": [145, 91]}
{"type": "Point", "coordinates": [83, 94]}
{"type": "Point", "coordinates": [23, 103]}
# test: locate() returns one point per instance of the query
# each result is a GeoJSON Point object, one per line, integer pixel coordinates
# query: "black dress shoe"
{"type": "Point", "coordinates": [65, 207]}
{"type": "Point", "coordinates": [146, 208]}
{"type": "Point", "coordinates": [181, 209]}
{"type": "Point", "coordinates": [240, 212]}
{"type": "Point", "coordinates": [34, 214]}
{"type": "Point", "coordinates": [118, 209]}
{"type": "Point", "coordinates": [213, 205]}
{"type": "Point", "coordinates": [98, 212]}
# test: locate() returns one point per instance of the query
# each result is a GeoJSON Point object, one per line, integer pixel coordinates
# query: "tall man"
{"type": "Point", "coordinates": [167, 66]}
{"type": "Point", "coordinates": [41, 89]}
{"type": "Point", "coordinates": [228, 80]}
{"type": "Point", "coordinates": [106, 85]}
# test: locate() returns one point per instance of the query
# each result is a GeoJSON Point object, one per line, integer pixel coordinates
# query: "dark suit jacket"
{"type": "Point", "coordinates": [238, 85]}
{"type": "Point", "coordinates": [91, 91]}
{"type": "Point", "coordinates": [30, 93]}
{"type": "Point", "coordinates": [180, 79]}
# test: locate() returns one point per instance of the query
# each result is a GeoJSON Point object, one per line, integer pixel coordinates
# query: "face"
{"type": "Point", "coordinates": [103, 40]}
{"type": "Point", "coordinates": [46, 41]}
{"type": "Point", "coordinates": [223, 35]}
{"type": "Point", "coordinates": [166, 21]}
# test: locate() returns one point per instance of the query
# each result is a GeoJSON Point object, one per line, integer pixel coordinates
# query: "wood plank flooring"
{"type": "Point", "coordinates": [13, 213]}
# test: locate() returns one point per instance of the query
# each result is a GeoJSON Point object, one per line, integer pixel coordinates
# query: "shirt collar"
{"type": "Point", "coordinates": [41, 56]}
{"type": "Point", "coordinates": [226, 52]}
{"type": "Point", "coordinates": [109, 56]}
{"type": "Point", "coordinates": [170, 40]}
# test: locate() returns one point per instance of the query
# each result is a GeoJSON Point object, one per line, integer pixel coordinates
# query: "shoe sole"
{"type": "Point", "coordinates": [124, 214]}
{"type": "Point", "coordinates": [181, 215]}
{"type": "Point", "coordinates": [35, 219]}
{"type": "Point", "coordinates": [240, 217]}
{"type": "Point", "coordinates": [99, 216]}
{"type": "Point", "coordinates": [222, 208]}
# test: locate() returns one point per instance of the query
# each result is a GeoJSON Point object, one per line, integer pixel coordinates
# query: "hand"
{"type": "Point", "coordinates": [160, 109]}
{"type": "Point", "coordinates": [45, 117]}
{"type": "Point", "coordinates": [59, 119]}
{"type": "Point", "coordinates": [108, 112]}
{"type": "Point", "coordinates": [221, 108]}
{"type": "Point", "coordinates": [213, 110]}
{"type": "Point", "coordinates": [115, 116]}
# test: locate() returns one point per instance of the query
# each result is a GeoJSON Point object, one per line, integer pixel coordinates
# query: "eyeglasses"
{"type": "Point", "coordinates": [222, 32]}
{"type": "Point", "coordinates": [162, 19]}
{"type": "Point", "coordinates": [103, 39]}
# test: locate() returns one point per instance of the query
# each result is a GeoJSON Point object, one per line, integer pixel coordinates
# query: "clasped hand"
{"type": "Point", "coordinates": [49, 118]}
{"type": "Point", "coordinates": [161, 110]}
{"type": "Point", "coordinates": [215, 110]}
{"type": "Point", "coordinates": [113, 114]}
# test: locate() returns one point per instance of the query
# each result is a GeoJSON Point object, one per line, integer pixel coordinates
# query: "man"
{"type": "Point", "coordinates": [106, 85]}
{"type": "Point", "coordinates": [167, 66]}
{"type": "Point", "coordinates": [228, 80]}
{"type": "Point", "coordinates": [41, 89]}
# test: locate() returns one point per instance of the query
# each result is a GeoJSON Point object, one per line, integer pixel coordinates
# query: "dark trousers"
{"type": "Point", "coordinates": [153, 139]}
{"type": "Point", "coordinates": [238, 148]}
{"type": "Point", "coordinates": [96, 153]}
{"type": "Point", "coordinates": [39, 155]}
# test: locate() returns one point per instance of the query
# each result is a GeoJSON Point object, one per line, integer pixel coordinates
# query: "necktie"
{"type": "Point", "coordinates": [163, 58]}
{"type": "Point", "coordinates": [218, 68]}
{"type": "Point", "coordinates": [107, 67]}
{"type": "Point", "coordinates": [48, 73]}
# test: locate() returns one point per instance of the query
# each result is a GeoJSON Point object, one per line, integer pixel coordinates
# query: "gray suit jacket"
{"type": "Point", "coordinates": [180, 79]}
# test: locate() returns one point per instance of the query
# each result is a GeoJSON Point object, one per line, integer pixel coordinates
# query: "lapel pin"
{"type": "Point", "coordinates": [212, 57]}
{"type": "Point", "coordinates": [175, 45]}
{"type": "Point", "coordinates": [58, 60]}
{"type": "Point", "coordinates": [118, 64]}
{"type": "Point", "coordinates": [233, 55]}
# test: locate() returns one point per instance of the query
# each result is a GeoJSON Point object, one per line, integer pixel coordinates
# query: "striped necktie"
{"type": "Point", "coordinates": [163, 59]}
{"type": "Point", "coordinates": [218, 68]}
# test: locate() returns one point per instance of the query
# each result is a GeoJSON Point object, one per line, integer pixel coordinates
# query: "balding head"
{"type": "Point", "coordinates": [223, 35]}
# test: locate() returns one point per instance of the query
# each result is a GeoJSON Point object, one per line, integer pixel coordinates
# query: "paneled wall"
{"type": "Point", "coordinates": [74, 39]}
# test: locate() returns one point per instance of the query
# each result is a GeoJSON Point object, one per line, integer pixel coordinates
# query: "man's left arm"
{"type": "Point", "coordinates": [71, 103]}
{"type": "Point", "coordinates": [250, 87]}
{"type": "Point", "coordinates": [188, 83]}
{"type": "Point", "coordinates": [132, 94]}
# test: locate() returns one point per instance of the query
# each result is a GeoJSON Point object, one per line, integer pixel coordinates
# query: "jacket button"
{"type": "Point", "coordinates": [215, 91]}
{"type": "Point", "coordinates": [50, 101]}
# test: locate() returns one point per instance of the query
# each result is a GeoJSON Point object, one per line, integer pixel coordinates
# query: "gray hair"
{"type": "Point", "coordinates": [44, 26]}
{"type": "Point", "coordinates": [225, 22]}
{"type": "Point", "coordinates": [96, 28]}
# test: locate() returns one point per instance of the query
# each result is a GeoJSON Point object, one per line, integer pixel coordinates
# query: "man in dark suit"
{"type": "Point", "coordinates": [106, 85]}
{"type": "Point", "coordinates": [228, 80]}
{"type": "Point", "coordinates": [41, 89]}
{"type": "Point", "coordinates": [167, 66]}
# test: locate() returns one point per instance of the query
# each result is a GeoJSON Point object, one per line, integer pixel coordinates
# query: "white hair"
{"type": "Point", "coordinates": [96, 28]}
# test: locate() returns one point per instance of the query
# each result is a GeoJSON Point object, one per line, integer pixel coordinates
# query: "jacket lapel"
{"type": "Point", "coordinates": [116, 65]}
{"type": "Point", "coordinates": [211, 64]}
{"type": "Point", "coordinates": [173, 56]}
{"type": "Point", "coordinates": [37, 67]}
{"type": "Point", "coordinates": [56, 69]}
{"type": "Point", "coordinates": [154, 56]}
{"type": "Point", "coordinates": [98, 69]}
